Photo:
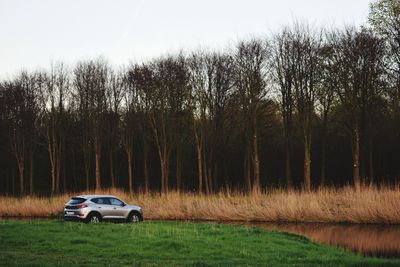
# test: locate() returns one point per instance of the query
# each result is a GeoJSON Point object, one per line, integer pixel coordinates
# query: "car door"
{"type": "Point", "coordinates": [104, 206]}
{"type": "Point", "coordinates": [118, 210]}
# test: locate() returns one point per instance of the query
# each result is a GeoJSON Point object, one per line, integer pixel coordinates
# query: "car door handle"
{"type": "Point", "coordinates": [115, 208]}
{"type": "Point", "coordinates": [99, 207]}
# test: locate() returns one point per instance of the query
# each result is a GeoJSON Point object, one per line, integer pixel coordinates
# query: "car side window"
{"type": "Point", "coordinates": [116, 202]}
{"type": "Point", "coordinates": [106, 201]}
{"type": "Point", "coordinates": [101, 201]}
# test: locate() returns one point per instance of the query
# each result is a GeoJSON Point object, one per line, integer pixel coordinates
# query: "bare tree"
{"type": "Point", "coordinates": [90, 79]}
{"type": "Point", "coordinates": [160, 115]}
{"type": "Point", "coordinates": [357, 54]}
{"type": "Point", "coordinates": [138, 101]}
{"type": "Point", "coordinates": [306, 47]}
{"type": "Point", "coordinates": [16, 110]}
{"type": "Point", "coordinates": [284, 67]}
{"type": "Point", "coordinates": [114, 95]}
{"type": "Point", "coordinates": [325, 97]}
{"type": "Point", "coordinates": [57, 90]}
{"type": "Point", "coordinates": [151, 80]}
{"type": "Point", "coordinates": [179, 102]}
{"type": "Point", "coordinates": [198, 82]}
{"type": "Point", "coordinates": [23, 110]}
{"type": "Point", "coordinates": [251, 71]}
{"type": "Point", "coordinates": [130, 117]}
{"type": "Point", "coordinates": [214, 75]}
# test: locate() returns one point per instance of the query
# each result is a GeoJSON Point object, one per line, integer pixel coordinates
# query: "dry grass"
{"type": "Point", "coordinates": [370, 205]}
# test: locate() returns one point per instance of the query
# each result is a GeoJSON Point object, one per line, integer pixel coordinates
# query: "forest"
{"type": "Point", "coordinates": [303, 108]}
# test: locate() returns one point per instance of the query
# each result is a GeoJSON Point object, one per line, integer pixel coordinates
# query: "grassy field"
{"type": "Point", "coordinates": [370, 205]}
{"type": "Point", "coordinates": [56, 243]}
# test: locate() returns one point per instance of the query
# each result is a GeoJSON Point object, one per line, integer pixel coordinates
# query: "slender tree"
{"type": "Point", "coordinates": [91, 81]}
{"type": "Point", "coordinates": [325, 97]}
{"type": "Point", "coordinates": [306, 46]}
{"type": "Point", "coordinates": [114, 95]}
{"type": "Point", "coordinates": [130, 117]}
{"type": "Point", "coordinates": [251, 71]}
{"type": "Point", "coordinates": [284, 66]}
{"type": "Point", "coordinates": [357, 54]}
{"type": "Point", "coordinates": [56, 92]}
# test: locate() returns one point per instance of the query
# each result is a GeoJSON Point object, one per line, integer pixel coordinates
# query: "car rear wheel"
{"type": "Point", "coordinates": [93, 218]}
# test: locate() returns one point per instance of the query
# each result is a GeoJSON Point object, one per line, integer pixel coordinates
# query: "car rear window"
{"type": "Point", "coordinates": [76, 200]}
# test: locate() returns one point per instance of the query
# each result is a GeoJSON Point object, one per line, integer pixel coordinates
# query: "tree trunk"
{"type": "Point", "coordinates": [247, 171]}
{"type": "Point", "coordinates": [199, 167]}
{"type": "Point", "coordinates": [356, 159]}
{"type": "Point", "coordinates": [256, 161]}
{"type": "Point", "coordinates": [87, 167]}
{"type": "Point", "coordinates": [166, 176]}
{"type": "Point", "coordinates": [130, 175]}
{"type": "Point", "coordinates": [87, 177]}
{"type": "Point", "coordinates": [31, 173]}
{"type": "Point", "coordinates": [288, 168]}
{"type": "Point", "coordinates": [371, 161]}
{"type": "Point", "coordinates": [57, 160]}
{"type": "Point", "coordinates": [211, 177]}
{"type": "Point", "coordinates": [163, 174]}
{"type": "Point", "coordinates": [162, 170]}
{"type": "Point", "coordinates": [178, 170]}
{"type": "Point", "coordinates": [64, 176]}
{"type": "Point", "coordinates": [21, 177]}
{"type": "Point", "coordinates": [205, 172]}
{"type": "Point", "coordinates": [52, 170]}
{"type": "Point", "coordinates": [110, 161]}
{"type": "Point", "coordinates": [98, 163]}
{"type": "Point", "coordinates": [13, 183]}
{"type": "Point", "coordinates": [145, 170]}
{"type": "Point", "coordinates": [323, 164]}
{"type": "Point", "coordinates": [74, 172]}
{"type": "Point", "coordinates": [112, 168]}
{"type": "Point", "coordinates": [323, 153]}
{"type": "Point", "coordinates": [307, 162]}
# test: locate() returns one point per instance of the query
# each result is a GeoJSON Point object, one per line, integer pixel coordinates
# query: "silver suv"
{"type": "Point", "coordinates": [94, 208]}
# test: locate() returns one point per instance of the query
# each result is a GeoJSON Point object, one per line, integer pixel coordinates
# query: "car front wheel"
{"type": "Point", "coordinates": [134, 217]}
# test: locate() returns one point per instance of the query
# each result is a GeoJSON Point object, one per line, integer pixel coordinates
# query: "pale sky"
{"type": "Point", "coordinates": [35, 32]}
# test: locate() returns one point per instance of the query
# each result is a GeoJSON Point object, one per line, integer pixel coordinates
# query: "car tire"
{"type": "Point", "coordinates": [93, 217]}
{"type": "Point", "coordinates": [134, 217]}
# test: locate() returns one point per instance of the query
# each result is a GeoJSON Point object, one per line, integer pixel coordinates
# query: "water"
{"type": "Point", "coordinates": [369, 240]}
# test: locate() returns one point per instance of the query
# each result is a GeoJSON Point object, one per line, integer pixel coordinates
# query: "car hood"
{"type": "Point", "coordinates": [133, 207]}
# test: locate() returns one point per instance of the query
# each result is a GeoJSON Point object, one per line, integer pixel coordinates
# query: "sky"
{"type": "Point", "coordinates": [34, 33]}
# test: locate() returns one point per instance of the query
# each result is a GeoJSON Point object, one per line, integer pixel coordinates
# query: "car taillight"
{"type": "Point", "coordinates": [81, 206]}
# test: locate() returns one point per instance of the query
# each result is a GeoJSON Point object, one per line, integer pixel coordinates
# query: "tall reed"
{"type": "Point", "coordinates": [370, 205]}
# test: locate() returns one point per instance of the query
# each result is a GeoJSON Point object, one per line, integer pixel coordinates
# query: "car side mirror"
{"type": "Point", "coordinates": [123, 205]}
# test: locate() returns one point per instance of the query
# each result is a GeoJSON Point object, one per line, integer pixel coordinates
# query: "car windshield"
{"type": "Point", "coordinates": [76, 200]}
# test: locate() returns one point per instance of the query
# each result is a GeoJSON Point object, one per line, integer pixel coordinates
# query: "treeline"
{"type": "Point", "coordinates": [300, 109]}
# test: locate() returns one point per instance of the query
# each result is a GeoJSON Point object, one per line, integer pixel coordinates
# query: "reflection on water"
{"type": "Point", "coordinates": [372, 240]}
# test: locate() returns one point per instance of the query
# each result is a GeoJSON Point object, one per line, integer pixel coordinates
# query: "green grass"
{"type": "Point", "coordinates": [56, 243]}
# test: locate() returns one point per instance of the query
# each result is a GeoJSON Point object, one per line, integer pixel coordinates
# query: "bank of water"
{"type": "Point", "coordinates": [367, 239]}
